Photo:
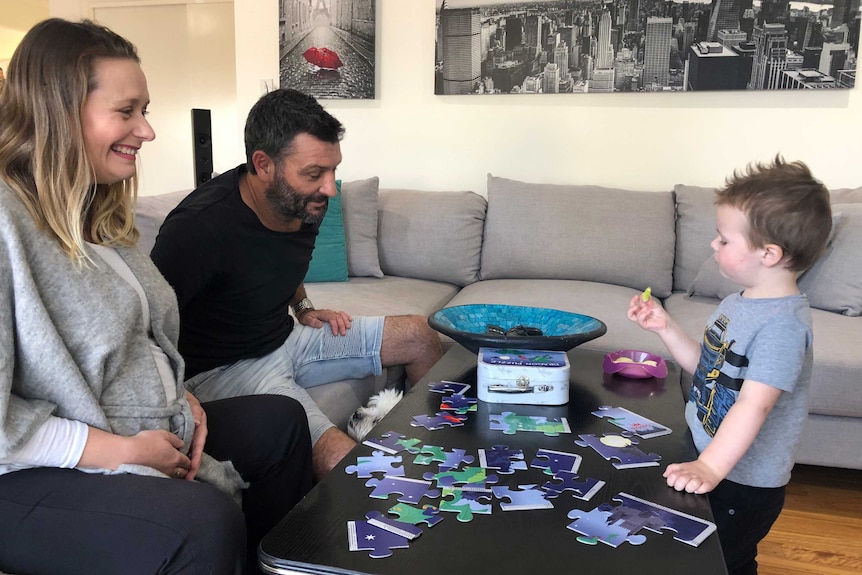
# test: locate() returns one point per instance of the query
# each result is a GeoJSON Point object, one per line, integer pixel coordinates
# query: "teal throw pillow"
{"type": "Point", "coordinates": [329, 259]}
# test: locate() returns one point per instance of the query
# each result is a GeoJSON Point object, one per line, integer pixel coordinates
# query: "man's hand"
{"type": "Point", "coordinates": [200, 435]}
{"type": "Point", "coordinates": [692, 477]}
{"type": "Point", "coordinates": [338, 321]}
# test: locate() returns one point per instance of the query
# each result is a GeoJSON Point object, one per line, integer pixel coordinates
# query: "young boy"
{"type": "Point", "coordinates": [752, 370]}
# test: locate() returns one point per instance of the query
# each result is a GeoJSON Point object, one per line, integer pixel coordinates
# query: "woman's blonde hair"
{"type": "Point", "coordinates": [42, 153]}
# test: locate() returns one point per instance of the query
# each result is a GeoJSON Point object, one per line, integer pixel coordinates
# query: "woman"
{"type": "Point", "coordinates": [102, 452]}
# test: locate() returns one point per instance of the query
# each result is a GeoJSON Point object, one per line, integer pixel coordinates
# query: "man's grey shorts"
{"type": "Point", "coordinates": [309, 357]}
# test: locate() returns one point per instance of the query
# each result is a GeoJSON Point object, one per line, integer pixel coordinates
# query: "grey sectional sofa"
{"type": "Point", "coordinates": [584, 249]}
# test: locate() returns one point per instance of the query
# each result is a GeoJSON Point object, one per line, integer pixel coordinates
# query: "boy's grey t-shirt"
{"type": "Point", "coordinates": [764, 340]}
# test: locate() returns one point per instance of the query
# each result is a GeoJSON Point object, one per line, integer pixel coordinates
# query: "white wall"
{"type": "Point", "coordinates": [414, 139]}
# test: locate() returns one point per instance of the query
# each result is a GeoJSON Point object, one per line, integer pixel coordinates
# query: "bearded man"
{"type": "Point", "coordinates": [236, 251]}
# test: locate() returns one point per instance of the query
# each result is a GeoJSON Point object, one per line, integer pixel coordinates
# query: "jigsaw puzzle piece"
{"type": "Point", "coordinates": [502, 459]}
{"type": "Point", "coordinates": [459, 404]}
{"type": "Point", "coordinates": [393, 442]}
{"type": "Point", "coordinates": [363, 536]}
{"type": "Point", "coordinates": [509, 423]}
{"type": "Point", "coordinates": [428, 514]}
{"type": "Point", "coordinates": [429, 454]}
{"type": "Point", "coordinates": [568, 482]}
{"type": "Point", "coordinates": [377, 463]}
{"type": "Point", "coordinates": [401, 528]}
{"type": "Point", "coordinates": [411, 490]}
{"type": "Point", "coordinates": [599, 525]}
{"type": "Point", "coordinates": [632, 422]}
{"type": "Point", "coordinates": [468, 478]}
{"type": "Point", "coordinates": [621, 448]}
{"type": "Point", "coordinates": [553, 461]}
{"type": "Point", "coordinates": [453, 387]}
{"type": "Point", "coordinates": [529, 497]}
{"type": "Point", "coordinates": [466, 503]}
{"type": "Point", "coordinates": [438, 421]}
{"type": "Point", "coordinates": [687, 528]}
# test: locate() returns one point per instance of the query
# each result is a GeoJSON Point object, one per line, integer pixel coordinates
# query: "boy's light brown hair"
{"type": "Point", "coordinates": [785, 205]}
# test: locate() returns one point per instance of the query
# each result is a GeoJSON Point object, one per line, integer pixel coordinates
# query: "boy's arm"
{"type": "Point", "coordinates": [651, 316]}
{"type": "Point", "coordinates": [733, 438]}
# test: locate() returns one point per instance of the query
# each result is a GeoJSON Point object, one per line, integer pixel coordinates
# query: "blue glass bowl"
{"type": "Point", "coordinates": [561, 330]}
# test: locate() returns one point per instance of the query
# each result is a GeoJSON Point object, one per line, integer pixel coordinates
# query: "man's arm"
{"type": "Point", "coordinates": [734, 437]}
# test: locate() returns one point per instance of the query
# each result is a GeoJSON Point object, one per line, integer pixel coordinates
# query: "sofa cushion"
{"type": "Point", "coordinates": [359, 202]}
{"type": "Point", "coordinates": [546, 231]}
{"type": "Point", "coordinates": [150, 212]}
{"type": "Point", "coordinates": [434, 236]}
{"type": "Point", "coordinates": [389, 295]}
{"type": "Point", "coordinates": [834, 283]}
{"type": "Point", "coordinates": [329, 258]}
{"type": "Point", "coordinates": [695, 229]}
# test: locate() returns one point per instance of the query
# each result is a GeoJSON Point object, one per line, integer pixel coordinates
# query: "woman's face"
{"type": "Point", "coordinates": [114, 119]}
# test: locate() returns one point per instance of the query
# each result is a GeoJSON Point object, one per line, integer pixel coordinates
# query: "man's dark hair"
{"type": "Point", "coordinates": [279, 116]}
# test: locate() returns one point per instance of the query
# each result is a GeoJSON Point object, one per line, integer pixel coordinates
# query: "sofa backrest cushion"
{"type": "Point", "coordinates": [589, 233]}
{"type": "Point", "coordinates": [360, 204]}
{"type": "Point", "coordinates": [695, 229]}
{"type": "Point", "coordinates": [150, 212]}
{"type": "Point", "coordinates": [431, 235]}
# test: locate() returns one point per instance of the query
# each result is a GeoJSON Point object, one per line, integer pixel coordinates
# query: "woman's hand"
{"type": "Point", "coordinates": [199, 438]}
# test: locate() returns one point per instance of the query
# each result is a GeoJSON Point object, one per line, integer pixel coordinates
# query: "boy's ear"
{"type": "Point", "coordinates": [773, 254]}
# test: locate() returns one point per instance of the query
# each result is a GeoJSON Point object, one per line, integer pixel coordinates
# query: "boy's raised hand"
{"type": "Point", "coordinates": [649, 314]}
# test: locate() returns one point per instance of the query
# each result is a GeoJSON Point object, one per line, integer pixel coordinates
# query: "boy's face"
{"type": "Point", "coordinates": [737, 259]}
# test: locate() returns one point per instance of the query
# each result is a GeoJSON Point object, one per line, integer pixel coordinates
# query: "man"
{"type": "Point", "coordinates": [236, 251]}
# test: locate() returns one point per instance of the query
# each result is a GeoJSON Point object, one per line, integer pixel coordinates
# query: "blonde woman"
{"type": "Point", "coordinates": [107, 465]}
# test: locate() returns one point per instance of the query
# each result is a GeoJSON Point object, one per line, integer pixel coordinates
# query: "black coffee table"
{"type": "Point", "coordinates": [313, 537]}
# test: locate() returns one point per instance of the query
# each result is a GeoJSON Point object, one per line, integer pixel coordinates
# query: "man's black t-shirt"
{"type": "Point", "coordinates": [234, 278]}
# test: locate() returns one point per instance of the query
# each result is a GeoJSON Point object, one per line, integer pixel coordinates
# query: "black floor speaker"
{"type": "Point", "coordinates": [202, 145]}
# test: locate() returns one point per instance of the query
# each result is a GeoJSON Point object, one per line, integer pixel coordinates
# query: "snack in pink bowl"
{"type": "Point", "coordinates": [634, 364]}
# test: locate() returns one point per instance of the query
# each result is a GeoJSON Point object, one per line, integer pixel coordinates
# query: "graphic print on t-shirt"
{"type": "Point", "coordinates": [712, 391]}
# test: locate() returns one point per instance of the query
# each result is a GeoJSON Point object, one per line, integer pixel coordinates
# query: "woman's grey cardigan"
{"type": "Point", "coordinates": [73, 344]}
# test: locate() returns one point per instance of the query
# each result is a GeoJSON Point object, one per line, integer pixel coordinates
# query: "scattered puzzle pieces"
{"type": "Point", "coordinates": [553, 461]}
{"type": "Point", "coordinates": [509, 423]}
{"type": "Point", "coordinates": [362, 536]}
{"type": "Point", "coordinates": [466, 503]}
{"type": "Point", "coordinates": [448, 387]}
{"type": "Point", "coordinates": [621, 448]}
{"type": "Point", "coordinates": [392, 442]}
{"type": "Point", "coordinates": [529, 497]}
{"type": "Point", "coordinates": [401, 528]}
{"type": "Point", "coordinates": [411, 490]}
{"type": "Point", "coordinates": [470, 477]}
{"type": "Point", "coordinates": [447, 460]}
{"type": "Point", "coordinates": [568, 482]}
{"type": "Point", "coordinates": [502, 459]}
{"type": "Point", "coordinates": [632, 422]}
{"type": "Point", "coordinates": [377, 463]}
{"type": "Point", "coordinates": [459, 404]}
{"type": "Point", "coordinates": [438, 421]}
{"type": "Point", "coordinates": [428, 514]}
{"type": "Point", "coordinates": [600, 525]}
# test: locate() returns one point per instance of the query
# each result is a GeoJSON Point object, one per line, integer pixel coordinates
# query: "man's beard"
{"type": "Point", "coordinates": [292, 205]}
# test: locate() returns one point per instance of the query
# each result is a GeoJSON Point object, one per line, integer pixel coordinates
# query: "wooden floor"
{"type": "Point", "coordinates": [820, 529]}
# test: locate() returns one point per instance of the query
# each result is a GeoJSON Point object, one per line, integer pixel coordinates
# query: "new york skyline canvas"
{"type": "Point", "coordinates": [579, 46]}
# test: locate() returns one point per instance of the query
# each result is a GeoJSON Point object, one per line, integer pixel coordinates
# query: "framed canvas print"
{"type": "Point", "coordinates": [327, 47]}
{"type": "Point", "coordinates": [565, 46]}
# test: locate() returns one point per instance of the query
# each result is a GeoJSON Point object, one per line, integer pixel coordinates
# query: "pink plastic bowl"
{"type": "Point", "coordinates": [636, 368]}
